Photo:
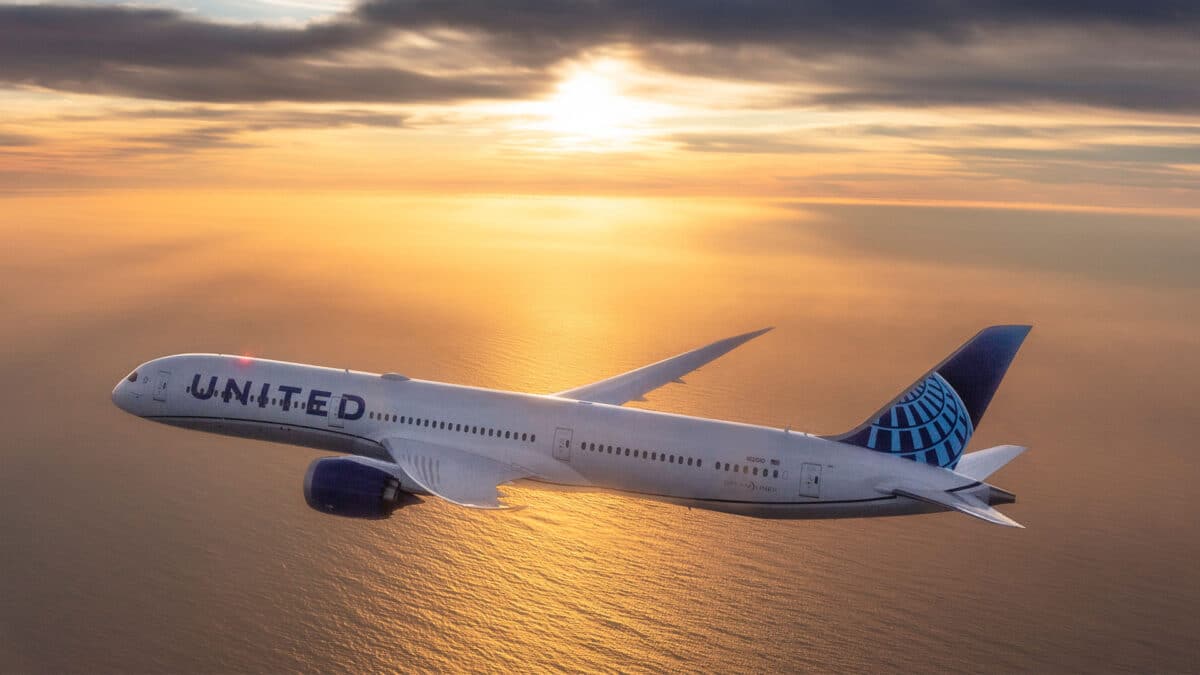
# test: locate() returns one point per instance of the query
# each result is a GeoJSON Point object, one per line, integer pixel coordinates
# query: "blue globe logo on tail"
{"type": "Point", "coordinates": [928, 424]}
{"type": "Point", "coordinates": [932, 421]}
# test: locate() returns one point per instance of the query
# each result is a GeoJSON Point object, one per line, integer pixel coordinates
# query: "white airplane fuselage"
{"type": "Point", "coordinates": [557, 442]}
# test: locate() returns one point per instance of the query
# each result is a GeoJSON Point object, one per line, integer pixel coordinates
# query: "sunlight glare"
{"type": "Point", "coordinates": [589, 111]}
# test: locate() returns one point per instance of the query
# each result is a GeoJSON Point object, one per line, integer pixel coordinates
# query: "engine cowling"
{"type": "Point", "coordinates": [341, 486]}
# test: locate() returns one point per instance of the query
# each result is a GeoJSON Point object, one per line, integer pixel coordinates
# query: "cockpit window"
{"type": "Point", "coordinates": [132, 376]}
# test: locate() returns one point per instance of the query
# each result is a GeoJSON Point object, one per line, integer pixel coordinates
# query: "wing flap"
{"type": "Point", "coordinates": [635, 384]}
{"type": "Point", "coordinates": [458, 476]}
{"type": "Point", "coordinates": [962, 503]}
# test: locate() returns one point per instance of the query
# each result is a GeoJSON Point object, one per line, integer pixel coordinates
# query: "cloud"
{"type": "Point", "coordinates": [751, 143]}
{"type": "Point", "coordinates": [848, 26]}
{"type": "Point", "coordinates": [846, 53]}
{"type": "Point", "coordinates": [234, 127]}
{"type": "Point", "coordinates": [165, 54]}
{"type": "Point", "coordinates": [10, 140]}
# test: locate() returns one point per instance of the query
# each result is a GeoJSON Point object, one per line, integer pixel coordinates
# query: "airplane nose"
{"type": "Point", "coordinates": [121, 396]}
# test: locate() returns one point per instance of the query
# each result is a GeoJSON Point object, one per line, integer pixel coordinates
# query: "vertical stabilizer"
{"type": "Point", "coordinates": [934, 418]}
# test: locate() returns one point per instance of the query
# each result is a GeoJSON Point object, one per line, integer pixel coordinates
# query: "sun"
{"type": "Point", "coordinates": [588, 104]}
{"type": "Point", "coordinates": [588, 109]}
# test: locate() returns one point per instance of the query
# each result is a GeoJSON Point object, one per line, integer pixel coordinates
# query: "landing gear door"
{"type": "Point", "coordinates": [810, 481]}
{"type": "Point", "coordinates": [562, 444]}
{"type": "Point", "coordinates": [160, 385]}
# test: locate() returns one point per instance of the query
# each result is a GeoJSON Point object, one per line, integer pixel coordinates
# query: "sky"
{"type": "Point", "coordinates": [1073, 106]}
{"type": "Point", "coordinates": [536, 194]}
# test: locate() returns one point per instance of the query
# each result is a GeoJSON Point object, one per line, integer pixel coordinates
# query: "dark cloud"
{"type": "Point", "coordinates": [10, 140]}
{"type": "Point", "coordinates": [1102, 83]}
{"type": "Point", "coordinates": [165, 54]}
{"type": "Point", "coordinates": [560, 27]}
{"type": "Point", "coordinates": [1139, 56]}
{"type": "Point", "coordinates": [236, 127]}
{"type": "Point", "coordinates": [750, 143]}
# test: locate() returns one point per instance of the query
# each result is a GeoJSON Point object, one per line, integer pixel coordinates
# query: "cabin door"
{"type": "Point", "coordinates": [810, 481]}
{"type": "Point", "coordinates": [160, 385]}
{"type": "Point", "coordinates": [562, 444]}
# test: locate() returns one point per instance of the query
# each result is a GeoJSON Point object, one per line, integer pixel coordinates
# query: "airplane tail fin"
{"type": "Point", "coordinates": [933, 419]}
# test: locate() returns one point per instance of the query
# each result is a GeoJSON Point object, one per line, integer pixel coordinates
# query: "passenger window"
{"type": "Point", "coordinates": [533, 438]}
{"type": "Point", "coordinates": [698, 463]}
{"type": "Point", "coordinates": [672, 459]}
{"type": "Point", "coordinates": [626, 452]}
{"type": "Point", "coordinates": [524, 436]}
{"type": "Point", "coordinates": [506, 434]}
{"type": "Point", "coordinates": [756, 471]}
{"type": "Point", "coordinates": [775, 473]}
{"type": "Point", "coordinates": [689, 461]}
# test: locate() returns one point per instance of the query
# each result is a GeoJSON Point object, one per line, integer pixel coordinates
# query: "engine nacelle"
{"type": "Point", "coordinates": [342, 486]}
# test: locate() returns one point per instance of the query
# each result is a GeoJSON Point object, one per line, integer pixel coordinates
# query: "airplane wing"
{"type": "Point", "coordinates": [958, 502]}
{"type": "Point", "coordinates": [633, 385]}
{"type": "Point", "coordinates": [458, 476]}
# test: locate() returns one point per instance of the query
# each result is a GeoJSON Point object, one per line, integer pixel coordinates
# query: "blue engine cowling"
{"type": "Point", "coordinates": [341, 486]}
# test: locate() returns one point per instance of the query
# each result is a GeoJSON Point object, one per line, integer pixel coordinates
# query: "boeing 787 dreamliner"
{"type": "Point", "coordinates": [458, 443]}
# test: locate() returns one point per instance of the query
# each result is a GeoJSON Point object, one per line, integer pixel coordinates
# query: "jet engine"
{"type": "Point", "coordinates": [343, 486]}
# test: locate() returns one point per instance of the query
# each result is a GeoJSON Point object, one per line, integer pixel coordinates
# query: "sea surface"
{"type": "Point", "coordinates": [130, 546]}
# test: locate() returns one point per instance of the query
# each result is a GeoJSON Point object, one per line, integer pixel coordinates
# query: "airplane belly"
{"type": "Point", "coordinates": [865, 508]}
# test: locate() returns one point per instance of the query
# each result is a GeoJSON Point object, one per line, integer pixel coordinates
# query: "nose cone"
{"type": "Point", "coordinates": [128, 393]}
{"type": "Point", "coordinates": [120, 396]}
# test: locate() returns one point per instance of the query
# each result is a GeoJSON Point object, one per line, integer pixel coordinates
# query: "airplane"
{"type": "Point", "coordinates": [402, 437]}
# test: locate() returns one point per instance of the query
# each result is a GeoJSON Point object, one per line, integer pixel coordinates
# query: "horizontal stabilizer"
{"type": "Point", "coordinates": [980, 465]}
{"type": "Point", "coordinates": [458, 476]}
{"type": "Point", "coordinates": [958, 502]}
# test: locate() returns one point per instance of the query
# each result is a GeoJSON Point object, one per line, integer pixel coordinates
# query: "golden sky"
{"type": "Point", "coordinates": [1058, 107]}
